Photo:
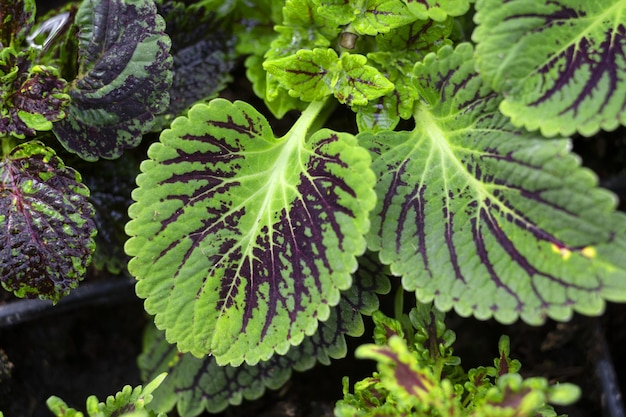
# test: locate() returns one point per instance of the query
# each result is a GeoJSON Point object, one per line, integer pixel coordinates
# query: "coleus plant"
{"type": "Point", "coordinates": [459, 178]}
{"type": "Point", "coordinates": [419, 375]}
{"type": "Point", "coordinates": [122, 80]}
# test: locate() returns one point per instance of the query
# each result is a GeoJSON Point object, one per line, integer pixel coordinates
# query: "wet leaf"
{"type": "Point", "coordinates": [557, 63]}
{"type": "Point", "coordinates": [46, 222]}
{"type": "Point", "coordinates": [242, 241]}
{"type": "Point", "coordinates": [488, 219]}
{"type": "Point", "coordinates": [124, 78]}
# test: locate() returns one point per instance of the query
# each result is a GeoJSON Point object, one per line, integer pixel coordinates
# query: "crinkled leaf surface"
{"type": "Point", "coordinates": [487, 218]}
{"type": "Point", "coordinates": [124, 78]}
{"type": "Point", "coordinates": [438, 10]}
{"type": "Point", "coordinates": [16, 19]}
{"type": "Point", "coordinates": [558, 63]}
{"type": "Point", "coordinates": [242, 241]}
{"type": "Point", "coordinates": [46, 223]}
{"type": "Point", "coordinates": [195, 384]}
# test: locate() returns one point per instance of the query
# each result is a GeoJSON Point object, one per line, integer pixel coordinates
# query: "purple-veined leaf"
{"type": "Point", "coordinates": [558, 63]}
{"type": "Point", "coordinates": [46, 223]}
{"type": "Point", "coordinates": [242, 241]}
{"type": "Point", "coordinates": [195, 384]}
{"type": "Point", "coordinates": [488, 219]}
{"type": "Point", "coordinates": [32, 98]}
{"type": "Point", "coordinates": [16, 19]}
{"type": "Point", "coordinates": [123, 81]}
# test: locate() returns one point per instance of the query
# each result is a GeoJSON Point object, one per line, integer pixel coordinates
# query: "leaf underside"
{"type": "Point", "coordinates": [557, 63]}
{"type": "Point", "coordinates": [124, 78]}
{"type": "Point", "coordinates": [487, 218]}
{"type": "Point", "coordinates": [46, 224]}
{"type": "Point", "coordinates": [241, 241]}
{"type": "Point", "coordinates": [195, 384]}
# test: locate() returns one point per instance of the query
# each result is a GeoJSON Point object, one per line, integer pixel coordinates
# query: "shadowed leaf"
{"type": "Point", "coordinates": [123, 81]}
{"type": "Point", "coordinates": [16, 19]}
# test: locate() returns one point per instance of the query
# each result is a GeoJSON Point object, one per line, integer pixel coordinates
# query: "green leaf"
{"type": "Point", "coordinates": [367, 17]}
{"type": "Point", "coordinates": [45, 222]}
{"type": "Point", "coordinates": [16, 19]}
{"type": "Point", "coordinates": [195, 384]}
{"type": "Point", "coordinates": [438, 10]}
{"type": "Point", "coordinates": [32, 97]}
{"type": "Point", "coordinates": [487, 218]}
{"type": "Point", "coordinates": [557, 63]}
{"type": "Point", "coordinates": [242, 241]}
{"type": "Point", "coordinates": [314, 74]}
{"type": "Point", "coordinates": [124, 78]}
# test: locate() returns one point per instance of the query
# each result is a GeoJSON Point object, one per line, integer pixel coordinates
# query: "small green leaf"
{"type": "Point", "coordinates": [45, 222]}
{"type": "Point", "coordinates": [557, 63]}
{"type": "Point", "coordinates": [309, 74]}
{"type": "Point", "coordinates": [124, 78]}
{"type": "Point", "coordinates": [486, 218]}
{"type": "Point", "coordinates": [314, 74]}
{"type": "Point", "coordinates": [242, 241]}
{"type": "Point", "coordinates": [438, 10]}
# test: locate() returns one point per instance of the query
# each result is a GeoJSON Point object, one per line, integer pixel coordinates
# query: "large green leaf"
{"type": "Point", "coordinates": [242, 241]}
{"type": "Point", "coordinates": [124, 78]}
{"type": "Point", "coordinates": [558, 63]}
{"type": "Point", "coordinates": [46, 223]}
{"type": "Point", "coordinates": [194, 384]}
{"type": "Point", "coordinates": [487, 218]}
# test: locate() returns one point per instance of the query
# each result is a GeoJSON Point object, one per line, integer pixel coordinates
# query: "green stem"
{"type": "Point", "coordinates": [8, 143]}
{"type": "Point", "coordinates": [312, 118]}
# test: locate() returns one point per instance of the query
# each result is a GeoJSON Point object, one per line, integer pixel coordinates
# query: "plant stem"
{"type": "Point", "coordinates": [312, 118]}
{"type": "Point", "coordinates": [8, 143]}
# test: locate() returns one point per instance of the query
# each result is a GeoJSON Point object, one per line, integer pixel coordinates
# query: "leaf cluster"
{"type": "Point", "coordinates": [127, 402]}
{"type": "Point", "coordinates": [419, 375]}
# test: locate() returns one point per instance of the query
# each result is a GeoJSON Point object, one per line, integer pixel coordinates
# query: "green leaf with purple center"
{"type": "Point", "coordinates": [557, 63]}
{"type": "Point", "coordinates": [486, 218]}
{"type": "Point", "coordinates": [45, 223]}
{"type": "Point", "coordinates": [242, 241]}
